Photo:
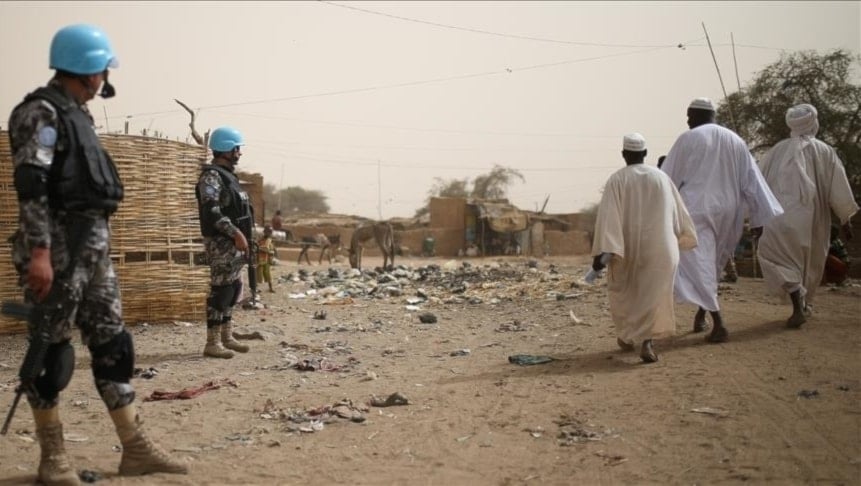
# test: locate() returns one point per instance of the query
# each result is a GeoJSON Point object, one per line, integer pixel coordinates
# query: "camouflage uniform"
{"type": "Point", "coordinates": [87, 292]}
{"type": "Point", "coordinates": [225, 260]}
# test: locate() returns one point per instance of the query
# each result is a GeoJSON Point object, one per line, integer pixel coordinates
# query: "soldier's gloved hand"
{"type": "Point", "coordinates": [240, 242]}
{"type": "Point", "coordinates": [40, 275]}
{"type": "Point", "coordinates": [847, 231]}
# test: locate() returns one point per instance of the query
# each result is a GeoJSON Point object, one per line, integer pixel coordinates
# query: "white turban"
{"type": "Point", "coordinates": [634, 142]}
{"type": "Point", "coordinates": [802, 120]}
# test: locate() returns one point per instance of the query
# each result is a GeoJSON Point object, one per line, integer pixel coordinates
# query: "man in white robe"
{"type": "Point", "coordinates": [719, 182]}
{"type": "Point", "coordinates": [642, 223]}
{"type": "Point", "coordinates": [809, 181]}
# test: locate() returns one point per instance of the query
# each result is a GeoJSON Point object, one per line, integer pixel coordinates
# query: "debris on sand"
{"type": "Point", "coordinates": [711, 411]}
{"type": "Point", "coordinates": [390, 401]}
{"type": "Point", "coordinates": [528, 359]}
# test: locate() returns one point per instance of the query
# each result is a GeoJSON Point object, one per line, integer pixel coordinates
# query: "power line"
{"type": "Point", "coordinates": [497, 34]}
{"type": "Point", "coordinates": [423, 129]}
{"type": "Point", "coordinates": [373, 161]}
{"type": "Point", "coordinates": [414, 83]}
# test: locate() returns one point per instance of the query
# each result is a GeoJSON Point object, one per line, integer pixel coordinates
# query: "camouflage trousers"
{"type": "Point", "coordinates": [84, 294]}
{"type": "Point", "coordinates": [225, 267]}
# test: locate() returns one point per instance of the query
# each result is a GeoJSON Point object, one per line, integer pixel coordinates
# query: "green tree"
{"type": "Point", "coordinates": [444, 188]}
{"type": "Point", "coordinates": [824, 81]}
{"type": "Point", "coordinates": [295, 199]}
{"type": "Point", "coordinates": [494, 184]}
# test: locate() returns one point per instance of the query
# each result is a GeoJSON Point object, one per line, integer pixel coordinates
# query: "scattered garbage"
{"type": "Point", "coordinates": [88, 476]}
{"type": "Point", "coordinates": [390, 401]}
{"type": "Point", "coordinates": [147, 374]}
{"type": "Point", "coordinates": [711, 411]}
{"type": "Point", "coordinates": [528, 359]}
{"type": "Point", "coordinates": [189, 393]}
{"type": "Point", "coordinates": [460, 352]}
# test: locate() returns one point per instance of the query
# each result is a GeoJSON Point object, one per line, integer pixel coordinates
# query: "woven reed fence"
{"type": "Point", "coordinates": [155, 245]}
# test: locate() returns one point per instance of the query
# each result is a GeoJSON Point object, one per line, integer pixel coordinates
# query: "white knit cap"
{"type": "Point", "coordinates": [702, 104]}
{"type": "Point", "coordinates": [634, 142]}
{"type": "Point", "coordinates": [803, 120]}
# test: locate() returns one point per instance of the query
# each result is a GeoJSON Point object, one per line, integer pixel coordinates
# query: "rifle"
{"type": "Point", "coordinates": [39, 342]}
{"type": "Point", "coordinates": [246, 225]}
{"type": "Point", "coordinates": [252, 270]}
{"type": "Point", "coordinates": [78, 227]}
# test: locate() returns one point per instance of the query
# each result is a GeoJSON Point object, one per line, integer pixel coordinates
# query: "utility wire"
{"type": "Point", "coordinates": [417, 129]}
{"type": "Point", "coordinates": [487, 32]}
{"type": "Point", "coordinates": [369, 162]}
{"type": "Point", "coordinates": [414, 83]}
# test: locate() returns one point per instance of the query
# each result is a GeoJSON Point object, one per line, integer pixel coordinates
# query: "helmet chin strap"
{"type": "Point", "coordinates": [108, 90]}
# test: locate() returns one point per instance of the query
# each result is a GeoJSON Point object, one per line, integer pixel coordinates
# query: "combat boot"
{"type": "Point", "coordinates": [140, 454]}
{"type": "Point", "coordinates": [213, 347]}
{"type": "Point", "coordinates": [228, 341]}
{"type": "Point", "coordinates": [54, 466]}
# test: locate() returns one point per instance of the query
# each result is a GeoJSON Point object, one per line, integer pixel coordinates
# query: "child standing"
{"type": "Point", "coordinates": [265, 253]}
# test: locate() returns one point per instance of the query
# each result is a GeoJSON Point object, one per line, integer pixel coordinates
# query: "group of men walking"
{"type": "Point", "coordinates": [697, 202]}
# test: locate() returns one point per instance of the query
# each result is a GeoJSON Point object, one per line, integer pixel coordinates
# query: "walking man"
{"type": "Point", "coordinates": [719, 181]}
{"type": "Point", "coordinates": [810, 182]}
{"type": "Point", "coordinates": [62, 251]}
{"type": "Point", "coordinates": [226, 222]}
{"type": "Point", "coordinates": [642, 223]}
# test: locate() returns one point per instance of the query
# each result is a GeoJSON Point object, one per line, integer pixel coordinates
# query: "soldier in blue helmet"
{"type": "Point", "coordinates": [68, 187]}
{"type": "Point", "coordinates": [226, 220]}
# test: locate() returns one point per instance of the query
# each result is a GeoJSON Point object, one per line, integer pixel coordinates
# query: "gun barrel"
{"type": "Point", "coordinates": [11, 412]}
{"type": "Point", "coordinates": [16, 310]}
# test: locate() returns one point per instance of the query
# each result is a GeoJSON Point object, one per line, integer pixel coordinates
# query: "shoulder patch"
{"type": "Point", "coordinates": [47, 136]}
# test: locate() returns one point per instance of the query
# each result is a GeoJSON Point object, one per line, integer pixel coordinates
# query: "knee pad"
{"type": "Point", "coordinates": [59, 366]}
{"type": "Point", "coordinates": [115, 359]}
{"type": "Point", "coordinates": [221, 297]}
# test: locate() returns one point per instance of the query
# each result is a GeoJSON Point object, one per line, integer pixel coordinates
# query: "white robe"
{"type": "Point", "coordinates": [643, 222]}
{"type": "Point", "coordinates": [719, 181]}
{"type": "Point", "coordinates": [809, 180]}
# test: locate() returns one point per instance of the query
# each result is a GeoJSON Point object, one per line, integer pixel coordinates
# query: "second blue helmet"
{"type": "Point", "coordinates": [225, 139]}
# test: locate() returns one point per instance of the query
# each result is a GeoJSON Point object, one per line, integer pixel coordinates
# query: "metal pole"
{"type": "Point", "coordinates": [722, 87]}
{"type": "Point", "coordinates": [281, 186]}
{"type": "Point", "coordinates": [379, 192]}
{"type": "Point", "coordinates": [734, 61]}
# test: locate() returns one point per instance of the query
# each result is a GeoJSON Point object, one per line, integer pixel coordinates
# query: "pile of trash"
{"type": "Point", "coordinates": [450, 283]}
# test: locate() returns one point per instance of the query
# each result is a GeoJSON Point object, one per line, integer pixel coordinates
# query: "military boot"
{"type": "Point", "coordinates": [140, 454]}
{"type": "Point", "coordinates": [213, 347]}
{"type": "Point", "coordinates": [54, 466]}
{"type": "Point", "coordinates": [228, 341]}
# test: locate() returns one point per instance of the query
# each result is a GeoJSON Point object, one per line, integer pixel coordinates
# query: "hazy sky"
{"type": "Point", "coordinates": [368, 102]}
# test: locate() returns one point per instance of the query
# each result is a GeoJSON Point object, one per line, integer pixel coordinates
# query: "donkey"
{"type": "Point", "coordinates": [330, 243]}
{"type": "Point", "coordinates": [384, 236]}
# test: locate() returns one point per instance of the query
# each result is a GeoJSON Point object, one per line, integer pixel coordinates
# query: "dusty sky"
{"type": "Point", "coordinates": [368, 102]}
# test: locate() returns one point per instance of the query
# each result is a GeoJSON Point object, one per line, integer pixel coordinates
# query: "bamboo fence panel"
{"type": "Point", "coordinates": [156, 245]}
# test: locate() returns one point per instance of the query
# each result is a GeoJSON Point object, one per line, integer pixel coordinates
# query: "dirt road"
{"type": "Point", "coordinates": [770, 406]}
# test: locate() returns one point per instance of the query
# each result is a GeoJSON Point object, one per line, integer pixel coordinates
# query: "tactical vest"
{"type": "Point", "coordinates": [238, 209]}
{"type": "Point", "coordinates": [83, 175]}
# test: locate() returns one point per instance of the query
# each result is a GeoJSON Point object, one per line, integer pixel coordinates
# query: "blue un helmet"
{"type": "Point", "coordinates": [82, 49]}
{"type": "Point", "coordinates": [225, 139]}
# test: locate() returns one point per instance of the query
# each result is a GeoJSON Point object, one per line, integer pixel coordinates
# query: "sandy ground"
{"type": "Point", "coordinates": [704, 414]}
